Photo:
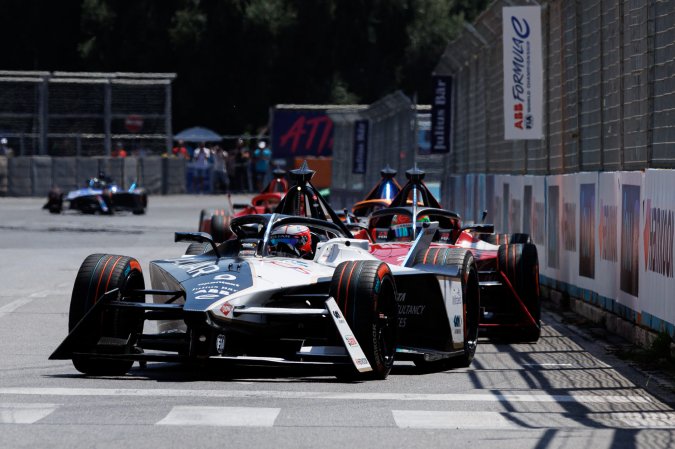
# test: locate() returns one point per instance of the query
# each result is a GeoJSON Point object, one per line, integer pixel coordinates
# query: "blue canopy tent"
{"type": "Point", "coordinates": [198, 134]}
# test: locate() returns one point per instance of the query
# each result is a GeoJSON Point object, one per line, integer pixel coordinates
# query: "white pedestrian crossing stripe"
{"type": "Point", "coordinates": [11, 413]}
{"type": "Point", "coordinates": [423, 419]}
{"type": "Point", "coordinates": [220, 416]}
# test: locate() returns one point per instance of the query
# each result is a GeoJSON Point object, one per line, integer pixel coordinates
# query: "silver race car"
{"type": "Point", "coordinates": [292, 287]}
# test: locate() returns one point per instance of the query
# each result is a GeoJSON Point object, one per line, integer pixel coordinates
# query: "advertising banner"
{"type": "Point", "coordinates": [587, 229]}
{"type": "Point", "coordinates": [360, 154]}
{"type": "Point", "coordinates": [534, 209]}
{"type": "Point", "coordinates": [440, 114]}
{"type": "Point", "coordinates": [301, 132]}
{"type": "Point", "coordinates": [630, 188]}
{"type": "Point", "coordinates": [550, 262]}
{"type": "Point", "coordinates": [523, 73]}
{"type": "Point", "coordinates": [607, 222]}
{"type": "Point", "coordinates": [569, 266]}
{"type": "Point", "coordinates": [657, 277]}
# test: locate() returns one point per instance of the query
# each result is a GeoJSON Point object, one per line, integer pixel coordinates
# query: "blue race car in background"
{"type": "Point", "coordinates": [100, 195]}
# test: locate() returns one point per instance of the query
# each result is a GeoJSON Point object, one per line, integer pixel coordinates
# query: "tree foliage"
{"type": "Point", "coordinates": [236, 58]}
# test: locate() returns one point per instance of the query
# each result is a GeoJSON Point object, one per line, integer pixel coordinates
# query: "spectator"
{"type": "Point", "coordinates": [202, 159]}
{"type": "Point", "coordinates": [118, 151]}
{"type": "Point", "coordinates": [5, 150]}
{"type": "Point", "coordinates": [180, 150]}
{"type": "Point", "coordinates": [262, 157]}
{"type": "Point", "coordinates": [221, 177]}
{"type": "Point", "coordinates": [242, 159]}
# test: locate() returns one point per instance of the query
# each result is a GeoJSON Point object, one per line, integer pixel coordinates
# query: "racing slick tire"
{"type": "Point", "coordinates": [98, 274]}
{"type": "Point", "coordinates": [468, 274]}
{"type": "Point", "coordinates": [220, 228]}
{"type": "Point", "coordinates": [205, 221]}
{"type": "Point", "coordinates": [520, 264]}
{"type": "Point", "coordinates": [365, 292]}
{"type": "Point", "coordinates": [196, 248]}
{"type": "Point", "coordinates": [504, 239]}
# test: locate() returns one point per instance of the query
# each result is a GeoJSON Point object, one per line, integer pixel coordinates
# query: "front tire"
{"type": "Point", "coordinates": [98, 274]}
{"type": "Point", "coordinates": [365, 292]}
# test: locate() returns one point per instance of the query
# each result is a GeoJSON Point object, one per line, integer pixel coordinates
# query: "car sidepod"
{"type": "Point", "coordinates": [438, 306]}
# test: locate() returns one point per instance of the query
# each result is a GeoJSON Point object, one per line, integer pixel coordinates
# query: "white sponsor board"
{"type": "Point", "coordinates": [607, 223]}
{"type": "Point", "coordinates": [607, 237]}
{"type": "Point", "coordinates": [353, 348]}
{"type": "Point", "coordinates": [657, 238]}
{"type": "Point", "coordinates": [523, 72]}
{"type": "Point", "coordinates": [629, 265]}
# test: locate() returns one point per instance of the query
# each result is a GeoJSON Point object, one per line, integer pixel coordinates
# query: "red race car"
{"type": "Point", "coordinates": [217, 222]}
{"type": "Point", "coordinates": [508, 266]}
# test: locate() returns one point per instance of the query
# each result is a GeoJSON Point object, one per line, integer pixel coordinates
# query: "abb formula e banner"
{"type": "Point", "coordinates": [523, 73]}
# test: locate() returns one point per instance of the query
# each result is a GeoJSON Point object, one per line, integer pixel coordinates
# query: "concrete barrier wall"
{"type": "Point", "coordinates": [19, 176]}
{"type": "Point", "coordinates": [41, 172]}
{"type": "Point", "coordinates": [35, 175]}
{"type": "Point", "coordinates": [174, 176]}
{"type": "Point", "coordinates": [64, 173]}
{"type": "Point", "coordinates": [3, 175]}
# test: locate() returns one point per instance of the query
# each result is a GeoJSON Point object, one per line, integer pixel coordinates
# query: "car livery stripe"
{"type": "Point", "coordinates": [438, 251]}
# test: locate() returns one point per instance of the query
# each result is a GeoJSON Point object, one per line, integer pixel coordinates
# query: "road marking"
{"type": "Point", "coordinates": [183, 415]}
{"type": "Point", "coordinates": [12, 306]}
{"type": "Point", "coordinates": [41, 294]}
{"type": "Point", "coordinates": [24, 413]}
{"type": "Point", "coordinates": [427, 419]}
{"type": "Point", "coordinates": [546, 364]}
{"type": "Point", "coordinates": [449, 397]}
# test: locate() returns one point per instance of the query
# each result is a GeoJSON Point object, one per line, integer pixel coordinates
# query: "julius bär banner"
{"type": "Point", "coordinates": [523, 73]}
{"type": "Point", "coordinates": [440, 114]}
{"type": "Point", "coordinates": [360, 154]}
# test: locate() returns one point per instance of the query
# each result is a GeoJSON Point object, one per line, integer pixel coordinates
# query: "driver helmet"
{"type": "Point", "coordinates": [291, 240]}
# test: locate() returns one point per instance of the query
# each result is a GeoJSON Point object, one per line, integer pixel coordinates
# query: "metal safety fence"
{"type": "Point", "coordinates": [609, 90]}
{"type": "Point", "coordinates": [392, 139]}
{"type": "Point", "coordinates": [85, 114]}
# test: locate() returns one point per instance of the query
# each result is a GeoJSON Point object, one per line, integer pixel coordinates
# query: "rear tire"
{"type": "Point", "coordinates": [205, 221]}
{"type": "Point", "coordinates": [365, 291]}
{"type": "Point", "coordinates": [520, 264]}
{"type": "Point", "coordinates": [505, 239]}
{"type": "Point", "coordinates": [196, 248]}
{"type": "Point", "coordinates": [220, 228]}
{"type": "Point", "coordinates": [468, 275]}
{"type": "Point", "coordinates": [97, 274]}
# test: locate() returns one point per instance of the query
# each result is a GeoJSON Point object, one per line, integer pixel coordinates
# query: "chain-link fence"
{"type": "Point", "coordinates": [609, 90]}
{"type": "Point", "coordinates": [85, 114]}
{"type": "Point", "coordinates": [392, 140]}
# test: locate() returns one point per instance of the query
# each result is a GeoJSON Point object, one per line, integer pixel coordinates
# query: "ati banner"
{"type": "Point", "coordinates": [301, 132]}
{"type": "Point", "coordinates": [360, 146]}
{"type": "Point", "coordinates": [523, 73]}
{"type": "Point", "coordinates": [440, 114]}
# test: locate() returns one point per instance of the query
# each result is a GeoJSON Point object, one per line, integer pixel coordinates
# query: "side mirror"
{"type": "Point", "coordinates": [199, 237]}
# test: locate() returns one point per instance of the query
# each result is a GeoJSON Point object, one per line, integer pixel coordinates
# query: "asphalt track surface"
{"type": "Point", "coordinates": [562, 392]}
